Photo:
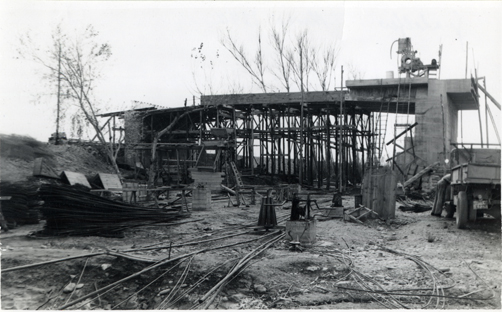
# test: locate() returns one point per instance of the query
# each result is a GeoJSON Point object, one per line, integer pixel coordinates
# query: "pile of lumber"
{"type": "Point", "coordinates": [73, 210]}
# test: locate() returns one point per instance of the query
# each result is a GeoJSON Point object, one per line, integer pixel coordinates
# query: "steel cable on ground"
{"type": "Point", "coordinates": [437, 291]}
{"type": "Point", "coordinates": [197, 284]}
{"type": "Point", "coordinates": [369, 289]}
{"type": "Point", "coordinates": [414, 295]}
{"type": "Point", "coordinates": [177, 286]}
{"type": "Point", "coordinates": [188, 243]}
{"type": "Point", "coordinates": [237, 267]}
{"type": "Point", "coordinates": [432, 270]}
{"type": "Point", "coordinates": [374, 297]}
{"type": "Point", "coordinates": [158, 264]}
{"type": "Point", "coordinates": [153, 281]}
{"type": "Point", "coordinates": [79, 278]}
{"type": "Point", "coordinates": [394, 301]}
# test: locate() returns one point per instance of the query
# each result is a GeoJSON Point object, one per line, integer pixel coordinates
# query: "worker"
{"type": "Point", "coordinates": [443, 191]}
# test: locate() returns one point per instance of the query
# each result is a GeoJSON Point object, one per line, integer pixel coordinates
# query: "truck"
{"type": "Point", "coordinates": [61, 138]}
{"type": "Point", "coordinates": [475, 184]}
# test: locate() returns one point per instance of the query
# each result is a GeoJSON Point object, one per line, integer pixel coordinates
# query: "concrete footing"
{"type": "Point", "coordinates": [201, 199]}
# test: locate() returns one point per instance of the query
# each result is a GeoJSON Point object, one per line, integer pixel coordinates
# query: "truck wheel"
{"type": "Point", "coordinates": [450, 210]}
{"type": "Point", "coordinates": [462, 210]}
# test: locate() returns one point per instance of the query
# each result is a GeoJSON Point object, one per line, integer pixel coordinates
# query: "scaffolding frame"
{"type": "Point", "coordinates": [278, 139]}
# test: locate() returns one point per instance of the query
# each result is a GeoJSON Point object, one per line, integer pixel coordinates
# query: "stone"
{"type": "Point", "coordinates": [69, 288]}
{"type": "Point", "coordinates": [164, 292]}
{"type": "Point", "coordinates": [79, 286]}
{"type": "Point", "coordinates": [237, 298]}
{"type": "Point", "coordinates": [312, 268]}
{"type": "Point", "coordinates": [260, 289]}
{"type": "Point", "coordinates": [105, 266]}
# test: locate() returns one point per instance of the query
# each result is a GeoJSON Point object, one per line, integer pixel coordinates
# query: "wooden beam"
{"type": "Point", "coordinates": [489, 96]}
{"type": "Point", "coordinates": [419, 175]}
{"type": "Point", "coordinates": [402, 133]}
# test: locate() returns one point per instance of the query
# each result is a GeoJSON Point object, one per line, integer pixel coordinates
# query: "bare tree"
{"type": "Point", "coordinates": [324, 67]}
{"type": "Point", "coordinates": [294, 62]}
{"type": "Point", "coordinates": [354, 73]}
{"type": "Point", "coordinates": [76, 62]}
{"type": "Point", "coordinates": [278, 42]}
{"type": "Point", "coordinates": [256, 67]}
{"type": "Point", "coordinates": [299, 60]}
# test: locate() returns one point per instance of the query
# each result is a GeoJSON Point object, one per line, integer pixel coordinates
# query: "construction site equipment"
{"type": "Point", "coordinates": [475, 186]}
{"type": "Point", "coordinates": [301, 232]}
{"type": "Point", "coordinates": [410, 64]}
{"type": "Point", "coordinates": [58, 138]}
{"type": "Point", "coordinates": [267, 217]}
{"type": "Point", "coordinates": [301, 227]}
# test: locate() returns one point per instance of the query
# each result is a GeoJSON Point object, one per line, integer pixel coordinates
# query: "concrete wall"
{"type": "Point", "coordinates": [431, 141]}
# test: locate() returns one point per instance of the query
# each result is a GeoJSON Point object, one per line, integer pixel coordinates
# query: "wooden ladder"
{"type": "Point", "coordinates": [237, 174]}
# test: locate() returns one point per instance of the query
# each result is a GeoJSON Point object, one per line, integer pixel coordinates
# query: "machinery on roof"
{"type": "Point", "coordinates": [411, 65]}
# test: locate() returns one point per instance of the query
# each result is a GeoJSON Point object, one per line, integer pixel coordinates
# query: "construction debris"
{"type": "Point", "coordinates": [358, 214]}
{"type": "Point", "coordinates": [415, 208]}
{"type": "Point", "coordinates": [419, 175]}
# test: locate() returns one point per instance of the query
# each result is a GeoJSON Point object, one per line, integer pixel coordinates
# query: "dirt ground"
{"type": "Point", "coordinates": [280, 278]}
{"type": "Point", "coordinates": [413, 261]}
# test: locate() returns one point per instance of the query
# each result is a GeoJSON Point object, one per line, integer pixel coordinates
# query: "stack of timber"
{"type": "Point", "coordinates": [22, 207]}
{"type": "Point", "coordinates": [72, 210]}
{"type": "Point", "coordinates": [207, 179]}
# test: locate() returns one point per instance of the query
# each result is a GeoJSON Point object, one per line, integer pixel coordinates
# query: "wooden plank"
{"type": "Point", "coordinates": [110, 181]}
{"type": "Point", "coordinates": [41, 169]}
{"type": "Point", "coordinates": [419, 175]}
{"type": "Point", "coordinates": [402, 133]}
{"type": "Point", "coordinates": [489, 96]}
{"type": "Point", "coordinates": [74, 178]}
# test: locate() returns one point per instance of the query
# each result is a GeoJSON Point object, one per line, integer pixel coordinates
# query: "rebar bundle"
{"type": "Point", "coordinates": [73, 211]}
{"type": "Point", "coordinates": [21, 208]}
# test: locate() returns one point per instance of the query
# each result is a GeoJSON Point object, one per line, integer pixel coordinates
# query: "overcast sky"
{"type": "Point", "coordinates": [153, 47]}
